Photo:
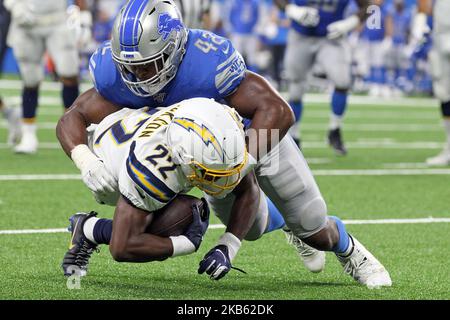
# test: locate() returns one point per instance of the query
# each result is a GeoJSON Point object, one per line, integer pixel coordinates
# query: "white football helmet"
{"type": "Point", "coordinates": [207, 140]}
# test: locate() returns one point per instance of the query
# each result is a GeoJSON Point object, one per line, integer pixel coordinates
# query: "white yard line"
{"type": "Point", "coordinates": [382, 172]}
{"type": "Point", "coordinates": [220, 226]}
{"type": "Point", "coordinates": [39, 177]}
{"type": "Point", "coordinates": [308, 98]}
{"type": "Point", "coordinates": [332, 172]}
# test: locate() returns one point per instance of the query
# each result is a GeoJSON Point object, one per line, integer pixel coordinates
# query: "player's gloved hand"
{"type": "Point", "coordinates": [419, 28]}
{"type": "Point", "coordinates": [93, 171]}
{"type": "Point", "coordinates": [306, 16]}
{"type": "Point", "coordinates": [216, 263]}
{"type": "Point", "coordinates": [21, 14]}
{"type": "Point", "coordinates": [341, 28]}
{"type": "Point", "coordinates": [191, 239]}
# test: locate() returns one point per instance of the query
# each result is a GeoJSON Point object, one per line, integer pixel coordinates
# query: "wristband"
{"type": "Point", "coordinates": [181, 246]}
{"type": "Point", "coordinates": [232, 242]}
{"type": "Point", "coordinates": [82, 155]}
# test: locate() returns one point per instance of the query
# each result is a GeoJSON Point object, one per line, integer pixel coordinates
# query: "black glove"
{"type": "Point", "coordinates": [200, 222]}
{"type": "Point", "coordinates": [216, 263]}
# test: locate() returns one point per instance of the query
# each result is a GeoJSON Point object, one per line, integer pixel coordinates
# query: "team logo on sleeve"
{"type": "Point", "coordinates": [166, 24]}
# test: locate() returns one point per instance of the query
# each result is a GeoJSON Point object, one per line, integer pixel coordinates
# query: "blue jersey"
{"type": "Point", "coordinates": [211, 68]}
{"type": "Point", "coordinates": [329, 11]}
{"type": "Point", "coordinates": [244, 16]}
{"type": "Point", "coordinates": [402, 22]}
{"type": "Point", "coordinates": [376, 34]}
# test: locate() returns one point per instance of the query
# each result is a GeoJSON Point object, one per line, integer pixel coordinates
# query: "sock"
{"type": "Point", "coordinates": [29, 102]}
{"type": "Point", "coordinates": [339, 102]}
{"type": "Point", "coordinates": [335, 121]}
{"type": "Point", "coordinates": [445, 107]}
{"type": "Point", "coordinates": [297, 108]}
{"type": "Point", "coordinates": [275, 219]}
{"type": "Point", "coordinates": [69, 94]}
{"type": "Point", "coordinates": [98, 230]}
{"type": "Point", "coordinates": [343, 246]}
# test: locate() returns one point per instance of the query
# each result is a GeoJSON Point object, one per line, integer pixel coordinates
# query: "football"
{"type": "Point", "coordinates": [175, 217]}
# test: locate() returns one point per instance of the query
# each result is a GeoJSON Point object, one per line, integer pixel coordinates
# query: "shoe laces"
{"type": "Point", "coordinates": [359, 266]}
{"type": "Point", "coordinates": [84, 253]}
{"type": "Point", "coordinates": [302, 248]}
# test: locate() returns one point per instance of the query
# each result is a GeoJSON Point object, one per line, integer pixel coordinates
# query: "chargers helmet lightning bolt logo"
{"type": "Point", "coordinates": [203, 132]}
{"type": "Point", "coordinates": [166, 24]}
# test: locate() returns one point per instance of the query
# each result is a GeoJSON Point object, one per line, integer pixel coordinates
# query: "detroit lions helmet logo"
{"type": "Point", "coordinates": [166, 24]}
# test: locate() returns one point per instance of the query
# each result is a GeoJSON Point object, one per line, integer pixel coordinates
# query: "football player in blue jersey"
{"type": "Point", "coordinates": [318, 35]}
{"type": "Point", "coordinates": [154, 61]}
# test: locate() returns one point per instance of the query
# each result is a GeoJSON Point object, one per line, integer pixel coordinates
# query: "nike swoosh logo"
{"type": "Point", "coordinates": [226, 50]}
{"type": "Point", "coordinates": [71, 244]}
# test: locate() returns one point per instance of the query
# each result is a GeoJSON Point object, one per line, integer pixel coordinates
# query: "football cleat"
{"type": "Point", "coordinates": [335, 141]}
{"type": "Point", "coordinates": [29, 142]}
{"type": "Point", "coordinates": [76, 259]}
{"type": "Point", "coordinates": [364, 267]}
{"type": "Point", "coordinates": [13, 116]}
{"type": "Point", "coordinates": [442, 159]}
{"type": "Point", "coordinates": [313, 259]}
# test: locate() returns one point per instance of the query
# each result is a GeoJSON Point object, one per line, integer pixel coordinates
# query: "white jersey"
{"type": "Point", "coordinates": [43, 7]}
{"type": "Point", "coordinates": [132, 145]}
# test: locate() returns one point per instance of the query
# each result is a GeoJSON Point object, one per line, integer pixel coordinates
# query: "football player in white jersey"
{"type": "Point", "coordinates": [201, 143]}
{"type": "Point", "coordinates": [439, 58]}
{"type": "Point", "coordinates": [38, 26]}
{"type": "Point", "coordinates": [11, 114]}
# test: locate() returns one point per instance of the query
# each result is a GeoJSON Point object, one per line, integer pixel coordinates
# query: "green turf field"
{"type": "Point", "coordinates": [383, 177]}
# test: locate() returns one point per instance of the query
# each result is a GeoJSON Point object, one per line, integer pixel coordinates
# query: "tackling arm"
{"type": "Point", "coordinates": [256, 99]}
{"type": "Point", "coordinates": [88, 108]}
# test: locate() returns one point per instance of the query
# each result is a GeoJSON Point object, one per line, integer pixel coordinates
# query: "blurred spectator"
{"type": "Point", "coordinates": [244, 15]}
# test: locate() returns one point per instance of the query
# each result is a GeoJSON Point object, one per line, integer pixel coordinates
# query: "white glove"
{"type": "Point", "coordinates": [21, 13]}
{"type": "Point", "coordinates": [306, 16]}
{"type": "Point", "coordinates": [341, 28]}
{"type": "Point", "coordinates": [93, 171]}
{"type": "Point", "coordinates": [81, 23]}
{"type": "Point", "coordinates": [85, 33]}
{"type": "Point", "coordinates": [419, 28]}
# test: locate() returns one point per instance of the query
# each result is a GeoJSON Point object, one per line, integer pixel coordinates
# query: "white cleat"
{"type": "Point", "coordinates": [29, 142]}
{"type": "Point", "coordinates": [442, 159]}
{"type": "Point", "coordinates": [14, 116]}
{"type": "Point", "coordinates": [313, 259]}
{"type": "Point", "coordinates": [364, 267]}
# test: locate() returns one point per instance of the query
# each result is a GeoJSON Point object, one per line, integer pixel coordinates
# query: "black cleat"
{"type": "Point", "coordinates": [335, 141]}
{"type": "Point", "coordinates": [76, 259]}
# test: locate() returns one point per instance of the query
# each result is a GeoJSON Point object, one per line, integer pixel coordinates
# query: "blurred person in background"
{"type": "Point", "coordinates": [195, 13]}
{"type": "Point", "coordinates": [377, 42]}
{"type": "Point", "coordinates": [397, 60]}
{"type": "Point", "coordinates": [243, 17]}
{"type": "Point", "coordinates": [12, 115]}
{"type": "Point", "coordinates": [274, 37]}
{"type": "Point", "coordinates": [37, 26]}
{"type": "Point", "coordinates": [318, 34]}
{"type": "Point", "coordinates": [439, 58]}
